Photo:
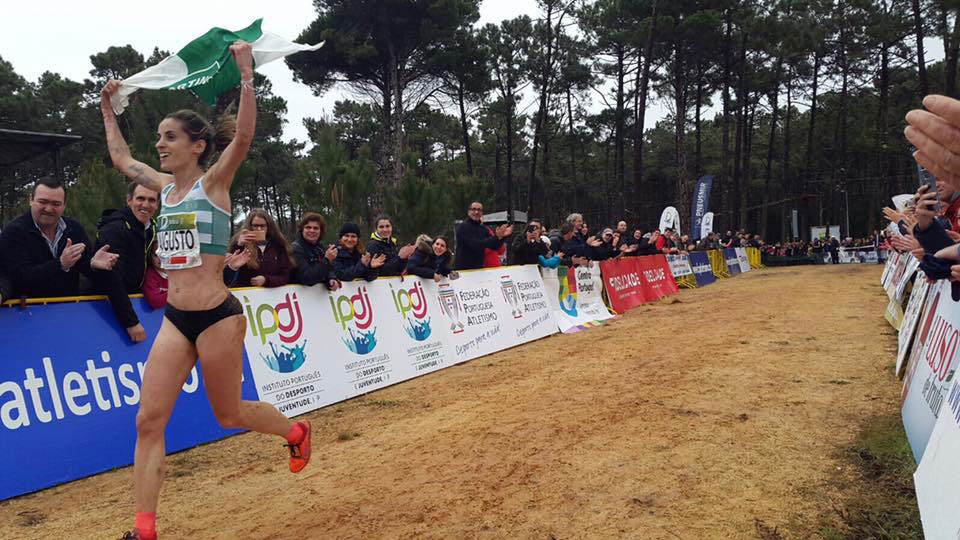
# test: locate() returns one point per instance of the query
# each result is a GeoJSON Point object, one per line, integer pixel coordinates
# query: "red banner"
{"type": "Point", "coordinates": [657, 278]}
{"type": "Point", "coordinates": [621, 279]}
{"type": "Point", "coordinates": [631, 281]}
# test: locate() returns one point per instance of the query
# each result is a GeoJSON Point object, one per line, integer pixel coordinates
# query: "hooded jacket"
{"type": "Point", "coordinates": [132, 241]}
{"type": "Point", "coordinates": [425, 263]}
{"type": "Point", "coordinates": [312, 265]}
{"type": "Point", "coordinates": [28, 263]}
{"type": "Point", "coordinates": [394, 265]}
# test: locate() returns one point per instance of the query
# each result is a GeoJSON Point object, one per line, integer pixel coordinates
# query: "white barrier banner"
{"type": "Point", "coordinates": [914, 307]}
{"type": "Point", "coordinates": [900, 276]}
{"type": "Point", "coordinates": [679, 265]}
{"type": "Point", "coordinates": [930, 373]}
{"type": "Point", "coordinates": [288, 348]}
{"type": "Point", "coordinates": [577, 304]}
{"type": "Point", "coordinates": [494, 309]}
{"type": "Point", "coordinates": [892, 261]}
{"type": "Point", "coordinates": [938, 475]}
{"type": "Point", "coordinates": [308, 347]}
{"type": "Point", "coordinates": [743, 259]}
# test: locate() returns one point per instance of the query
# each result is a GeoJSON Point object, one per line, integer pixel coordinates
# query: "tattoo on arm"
{"type": "Point", "coordinates": [141, 177]}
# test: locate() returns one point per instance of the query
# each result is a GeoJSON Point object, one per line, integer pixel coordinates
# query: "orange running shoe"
{"type": "Point", "coordinates": [300, 452]}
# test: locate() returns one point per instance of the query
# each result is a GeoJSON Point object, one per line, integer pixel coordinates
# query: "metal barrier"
{"type": "Point", "coordinates": [717, 263]}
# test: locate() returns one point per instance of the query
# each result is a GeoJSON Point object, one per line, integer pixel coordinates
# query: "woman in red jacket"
{"type": "Point", "coordinates": [266, 258]}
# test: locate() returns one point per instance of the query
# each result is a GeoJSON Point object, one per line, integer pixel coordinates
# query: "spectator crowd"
{"type": "Point", "coordinates": [43, 253]}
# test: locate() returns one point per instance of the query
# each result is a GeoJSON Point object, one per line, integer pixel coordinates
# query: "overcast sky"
{"type": "Point", "coordinates": [60, 36]}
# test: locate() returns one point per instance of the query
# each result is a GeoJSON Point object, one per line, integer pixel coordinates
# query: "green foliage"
{"type": "Point", "coordinates": [884, 504]}
{"type": "Point", "coordinates": [445, 115]}
{"type": "Point", "coordinates": [96, 189]}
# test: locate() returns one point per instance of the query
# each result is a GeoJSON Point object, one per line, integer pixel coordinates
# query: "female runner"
{"type": "Point", "coordinates": [202, 319]}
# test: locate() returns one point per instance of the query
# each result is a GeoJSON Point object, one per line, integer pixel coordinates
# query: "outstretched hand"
{"type": "Point", "coordinates": [237, 259]}
{"type": "Point", "coordinates": [935, 133]}
{"type": "Point", "coordinates": [103, 259]}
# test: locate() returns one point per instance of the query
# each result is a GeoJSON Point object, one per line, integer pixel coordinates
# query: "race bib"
{"type": "Point", "coordinates": [178, 243]}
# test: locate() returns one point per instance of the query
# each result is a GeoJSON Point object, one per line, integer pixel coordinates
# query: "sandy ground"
{"type": "Point", "coordinates": [691, 418]}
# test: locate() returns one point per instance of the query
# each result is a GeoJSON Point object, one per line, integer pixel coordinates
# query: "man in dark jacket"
{"type": "Point", "coordinates": [6, 287]}
{"type": "Point", "coordinates": [130, 233]}
{"type": "Point", "coordinates": [473, 237]}
{"type": "Point", "coordinates": [45, 252]}
{"type": "Point", "coordinates": [314, 261]}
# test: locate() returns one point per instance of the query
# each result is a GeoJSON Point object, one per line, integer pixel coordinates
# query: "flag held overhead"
{"type": "Point", "coordinates": [204, 66]}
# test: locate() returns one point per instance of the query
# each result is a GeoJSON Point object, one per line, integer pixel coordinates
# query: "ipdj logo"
{"type": "Point", "coordinates": [357, 310]}
{"type": "Point", "coordinates": [283, 319]}
{"type": "Point", "coordinates": [568, 296]}
{"type": "Point", "coordinates": [412, 301]}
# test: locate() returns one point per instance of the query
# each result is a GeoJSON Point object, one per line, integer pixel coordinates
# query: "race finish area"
{"type": "Point", "coordinates": [692, 417]}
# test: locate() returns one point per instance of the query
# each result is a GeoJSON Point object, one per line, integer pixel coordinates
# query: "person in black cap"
{"type": "Point", "coordinates": [351, 262]}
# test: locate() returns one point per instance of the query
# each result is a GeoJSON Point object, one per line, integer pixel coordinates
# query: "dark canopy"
{"type": "Point", "coordinates": [18, 146]}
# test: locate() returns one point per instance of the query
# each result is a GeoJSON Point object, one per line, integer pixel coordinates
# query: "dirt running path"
{"type": "Point", "coordinates": [690, 418]}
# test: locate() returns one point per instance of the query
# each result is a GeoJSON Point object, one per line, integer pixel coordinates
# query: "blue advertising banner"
{"type": "Point", "coordinates": [700, 205]}
{"type": "Point", "coordinates": [702, 271]}
{"type": "Point", "coordinates": [732, 260]}
{"type": "Point", "coordinates": [70, 390]}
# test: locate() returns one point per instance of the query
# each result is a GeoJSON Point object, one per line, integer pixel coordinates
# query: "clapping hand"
{"type": "Point", "coordinates": [378, 261]}
{"type": "Point", "coordinates": [331, 252]}
{"type": "Point", "coordinates": [406, 251]}
{"type": "Point", "coordinates": [365, 259]}
{"type": "Point", "coordinates": [71, 254]}
{"type": "Point", "coordinates": [237, 259]}
{"type": "Point", "coordinates": [103, 259]}
{"type": "Point", "coordinates": [892, 214]}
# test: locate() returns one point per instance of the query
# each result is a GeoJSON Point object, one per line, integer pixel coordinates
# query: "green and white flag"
{"type": "Point", "coordinates": [205, 66]}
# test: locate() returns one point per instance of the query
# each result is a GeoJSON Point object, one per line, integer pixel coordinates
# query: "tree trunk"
{"type": "Point", "coordinates": [680, 128]}
{"type": "Point", "coordinates": [546, 76]}
{"type": "Point", "coordinates": [396, 124]}
{"type": "Point", "coordinates": [723, 186]}
{"type": "Point", "coordinates": [768, 175]}
{"type": "Point", "coordinates": [739, 161]}
{"type": "Point", "coordinates": [751, 116]}
{"type": "Point", "coordinates": [465, 127]}
{"type": "Point", "coordinates": [509, 121]}
{"type": "Point", "coordinates": [641, 109]}
{"type": "Point", "coordinates": [921, 62]}
{"type": "Point", "coordinates": [951, 49]}
{"type": "Point", "coordinates": [698, 155]}
{"type": "Point", "coordinates": [573, 155]}
{"type": "Point", "coordinates": [619, 128]}
{"type": "Point", "coordinates": [812, 175]}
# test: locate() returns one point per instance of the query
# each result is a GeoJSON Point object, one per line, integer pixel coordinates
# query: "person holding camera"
{"type": "Point", "coordinates": [266, 258]}
{"type": "Point", "coordinates": [533, 250]}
